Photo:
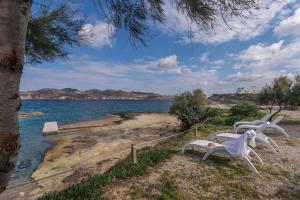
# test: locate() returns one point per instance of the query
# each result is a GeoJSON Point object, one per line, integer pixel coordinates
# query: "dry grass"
{"type": "Point", "coordinates": [188, 177]}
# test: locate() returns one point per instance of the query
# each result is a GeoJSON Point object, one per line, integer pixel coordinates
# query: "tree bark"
{"type": "Point", "coordinates": [14, 16]}
{"type": "Point", "coordinates": [278, 111]}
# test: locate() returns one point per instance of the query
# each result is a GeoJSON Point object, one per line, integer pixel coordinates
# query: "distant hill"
{"type": "Point", "coordinates": [71, 93]}
{"type": "Point", "coordinates": [230, 98]}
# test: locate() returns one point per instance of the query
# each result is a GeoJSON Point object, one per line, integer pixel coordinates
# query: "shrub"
{"type": "Point", "coordinates": [190, 108]}
{"type": "Point", "coordinates": [233, 118]}
{"type": "Point", "coordinates": [218, 120]}
{"type": "Point", "coordinates": [192, 116]}
{"type": "Point", "coordinates": [244, 109]}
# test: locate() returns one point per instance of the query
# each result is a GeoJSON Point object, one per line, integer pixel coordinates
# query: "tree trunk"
{"type": "Point", "coordinates": [275, 113]}
{"type": "Point", "coordinates": [14, 16]}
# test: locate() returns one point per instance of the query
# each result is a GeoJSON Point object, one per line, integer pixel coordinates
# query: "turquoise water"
{"type": "Point", "coordinates": [34, 144]}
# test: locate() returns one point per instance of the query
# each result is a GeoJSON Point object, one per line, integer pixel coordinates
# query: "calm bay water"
{"type": "Point", "coordinates": [34, 144]}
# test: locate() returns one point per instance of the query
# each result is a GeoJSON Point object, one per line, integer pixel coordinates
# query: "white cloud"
{"type": "Point", "coordinates": [263, 57]}
{"type": "Point", "coordinates": [260, 52]}
{"type": "Point", "coordinates": [98, 35]}
{"type": "Point", "coordinates": [167, 64]}
{"type": "Point", "coordinates": [256, 24]}
{"type": "Point", "coordinates": [261, 63]}
{"type": "Point", "coordinates": [237, 66]}
{"type": "Point", "coordinates": [289, 26]}
{"type": "Point", "coordinates": [204, 58]}
{"type": "Point", "coordinates": [243, 77]}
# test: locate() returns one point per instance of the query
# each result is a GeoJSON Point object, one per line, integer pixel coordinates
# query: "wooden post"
{"type": "Point", "coordinates": [196, 133]}
{"type": "Point", "coordinates": [133, 154]}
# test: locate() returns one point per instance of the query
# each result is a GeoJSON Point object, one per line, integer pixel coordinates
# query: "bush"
{"type": "Point", "coordinates": [192, 116]}
{"type": "Point", "coordinates": [218, 120]}
{"type": "Point", "coordinates": [233, 118]}
{"type": "Point", "coordinates": [244, 109]}
{"type": "Point", "coordinates": [190, 108]}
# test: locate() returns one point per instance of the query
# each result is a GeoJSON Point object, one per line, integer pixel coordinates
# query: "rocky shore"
{"type": "Point", "coordinates": [96, 145]}
{"type": "Point", "coordinates": [29, 114]}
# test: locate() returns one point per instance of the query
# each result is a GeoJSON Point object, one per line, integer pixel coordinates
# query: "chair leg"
{"type": "Point", "coordinates": [183, 149]}
{"type": "Point", "coordinates": [273, 142]}
{"type": "Point", "coordinates": [250, 164]}
{"type": "Point", "coordinates": [280, 130]}
{"type": "Point", "coordinates": [271, 147]}
{"type": "Point", "coordinates": [256, 155]}
{"type": "Point", "coordinates": [209, 152]}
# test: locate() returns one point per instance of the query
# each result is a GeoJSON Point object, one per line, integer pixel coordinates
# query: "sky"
{"type": "Point", "coordinates": [179, 56]}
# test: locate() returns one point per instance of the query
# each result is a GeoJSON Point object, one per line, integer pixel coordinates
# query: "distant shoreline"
{"type": "Point", "coordinates": [97, 99]}
{"type": "Point", "coordinates": [92, 94]}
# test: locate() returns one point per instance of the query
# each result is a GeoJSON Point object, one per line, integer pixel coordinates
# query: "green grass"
{"type": "Point", "coordinates": [92, 187]}
{"type": "Point", "coordinates": [274, 172]}
{"type": "Point", "coordinates": [169, 188]}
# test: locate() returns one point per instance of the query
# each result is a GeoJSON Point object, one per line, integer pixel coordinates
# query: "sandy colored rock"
{"type": "Point", "coordinates": [94, 142]}
{"type": "Point", "coordinates": [29, 114]}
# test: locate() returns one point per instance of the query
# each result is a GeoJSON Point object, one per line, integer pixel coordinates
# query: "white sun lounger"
{"type": "Point", "coordinates": [272, 125]}
{"type": "Point", "coordinates": [253, 135]}
{"type": "Point", "coordinates": [237, 148]}
{"type": "Point", "coordinates": [255, 122]}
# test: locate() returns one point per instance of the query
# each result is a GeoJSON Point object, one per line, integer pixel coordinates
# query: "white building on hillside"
{"type": "Point", "coordinates": [250, 90]}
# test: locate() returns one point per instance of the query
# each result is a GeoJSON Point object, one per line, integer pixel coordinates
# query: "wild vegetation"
{"type": "Point", "coordinates": [190, 108]}
{"type": "Point", "coordinates": [282, 92]}
{"type": "Point", "coordinates": [92, 187]}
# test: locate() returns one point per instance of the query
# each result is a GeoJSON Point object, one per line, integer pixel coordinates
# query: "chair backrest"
{"type": "Point", "coordinates": [238, 147]}
{"type": "Point", "coordinates": [276, 120]}
{"type": "Point", "coordinates": [261, 127]}
{"type": "Point", "coordinates": [266, 117]}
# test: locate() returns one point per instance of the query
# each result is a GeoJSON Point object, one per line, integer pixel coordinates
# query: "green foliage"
{"type": "Point", "coordinates": [282, 92]}
{"type": "Point", "coordinates": [92, 187]}
{"type": "Point", "coordinates": [50, 32]}
{"type": "Point", "coordinates": [244, 109]}
{"type": "Point", "coordinates": [233, 118]}
{"type": "Point", "coordinates": [219, 120]}
{"type": "Point", "coordinates": [241, 111]}
{"type": "Point", "coordinates": [295, 92]}
{"type": "Point", "coordinates": [267, 97]}
{"type": "Point", "coordinates": [134, 16]}
{"type": "Point", "coordinates": [169, 188]}
{"type": "Point", "coordinates": [190, 108]}
{"type": "Point", "coordinates": [226, 119]}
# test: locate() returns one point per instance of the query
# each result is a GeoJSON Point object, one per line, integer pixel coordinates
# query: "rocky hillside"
{"type": "Point", "coordinates": [70, 93]}
{"type": "Point", "coordinates": [230, 98]}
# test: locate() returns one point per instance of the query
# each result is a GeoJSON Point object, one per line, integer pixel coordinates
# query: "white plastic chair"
{"type": "Point", "coordinates": [255, 122]}
{"type": "Point", "coordinates": [253, 135]}
{"type": "Point", "coordinates": [237, 148]}
{"type": "Point", "coordinates": [272, 125]}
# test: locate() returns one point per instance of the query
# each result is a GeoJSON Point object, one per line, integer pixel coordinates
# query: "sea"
{"type": "Point", "coordinates": [34, 144]}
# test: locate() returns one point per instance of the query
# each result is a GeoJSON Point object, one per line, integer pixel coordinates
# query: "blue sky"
{"type": "Point", "coordinates": [249, 54]}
